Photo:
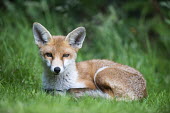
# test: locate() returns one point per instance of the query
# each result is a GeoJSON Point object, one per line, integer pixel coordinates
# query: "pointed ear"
{"type": "Point", "coordinates": [41, 34]}
{"type": "Point", "coordinates": [76, 37]}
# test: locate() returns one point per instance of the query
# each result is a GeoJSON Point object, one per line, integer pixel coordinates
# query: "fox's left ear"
{"type": "Point", "coordinates": [76, 37]}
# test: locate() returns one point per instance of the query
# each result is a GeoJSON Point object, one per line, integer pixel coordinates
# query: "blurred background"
{"type": "Point", "coordinates": [140, 24]}
{"type": "Point", "coordinates": [131, 32]}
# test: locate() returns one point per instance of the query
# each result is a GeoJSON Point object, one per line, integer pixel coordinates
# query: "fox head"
{"type": "Point", "coordinates": [58, 52]}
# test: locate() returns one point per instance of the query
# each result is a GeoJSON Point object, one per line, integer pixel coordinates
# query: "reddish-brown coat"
{"type": "Point", "coordinates": [116, 80]}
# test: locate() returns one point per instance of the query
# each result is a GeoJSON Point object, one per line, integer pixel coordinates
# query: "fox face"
{"type": "Point", "coordinates": [58, 52]}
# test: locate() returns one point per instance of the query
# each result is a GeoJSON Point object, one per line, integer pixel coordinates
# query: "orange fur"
{"type": "Point", "coordinates": [107, 76]}
{"type": "Point", "coordinates": [125, 78]}
{"type": "Point", "coordinates": [87, 69]}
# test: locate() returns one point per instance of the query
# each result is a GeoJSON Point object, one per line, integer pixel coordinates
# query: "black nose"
{"type": "Point", "coordinates": [57, 69]}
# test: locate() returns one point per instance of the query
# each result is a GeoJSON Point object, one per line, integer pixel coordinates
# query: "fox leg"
{"type": "Point", "coordinates": [55, 92]}
{"type": "Point", "coordinates": [79, 92]}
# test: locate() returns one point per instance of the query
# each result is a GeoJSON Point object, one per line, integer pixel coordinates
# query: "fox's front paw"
{"type": "Point", "coordinates": [55, 92]}
{"type": "Point", "coordinates": [60, 92]}
{"type": "Point", "coordinates": [78, 92]}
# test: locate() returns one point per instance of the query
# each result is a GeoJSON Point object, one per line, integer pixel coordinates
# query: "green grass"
{"type": "Point", "coordinates": [20, 64]}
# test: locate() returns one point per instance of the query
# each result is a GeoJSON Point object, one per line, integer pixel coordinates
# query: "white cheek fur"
{"type": "Point", "coordinates": [68, 62]}
{"type": "Point", "coordinates": [48, 62]}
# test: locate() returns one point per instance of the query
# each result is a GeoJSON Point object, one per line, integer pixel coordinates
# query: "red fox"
{"type": "Point", "coordinates": [97, 78]}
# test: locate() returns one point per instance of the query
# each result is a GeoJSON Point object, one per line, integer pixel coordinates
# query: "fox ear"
{"type": "Point", "coordinates": [41, 34]}
{"type": "Point", "coordinates": [76, 37]}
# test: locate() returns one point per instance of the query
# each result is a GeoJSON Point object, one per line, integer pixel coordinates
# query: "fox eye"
{"type": "Point", "coordinates": [48, 54]}
{"type": "Point", "coordinates": [66, 55]}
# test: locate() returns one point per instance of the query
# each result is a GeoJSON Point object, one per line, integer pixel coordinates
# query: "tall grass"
{"type": "Point", "coordinates": [110, 38]}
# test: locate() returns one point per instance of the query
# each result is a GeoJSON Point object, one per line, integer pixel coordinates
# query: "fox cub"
{"type": "Point", "coordinates": [97, 78]}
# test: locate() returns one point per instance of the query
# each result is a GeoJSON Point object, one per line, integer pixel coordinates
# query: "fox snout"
{"type": "Point", "coordinates": [57, 70]}
{"type": "Point", "coordinates": [57, 66]}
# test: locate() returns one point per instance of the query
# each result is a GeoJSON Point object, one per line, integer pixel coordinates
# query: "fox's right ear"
{"type": "Point", "coordinates": [41, 34]}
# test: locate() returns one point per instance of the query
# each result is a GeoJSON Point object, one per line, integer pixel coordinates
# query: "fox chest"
{"type": "Point", "coordinates": [61, 82]}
